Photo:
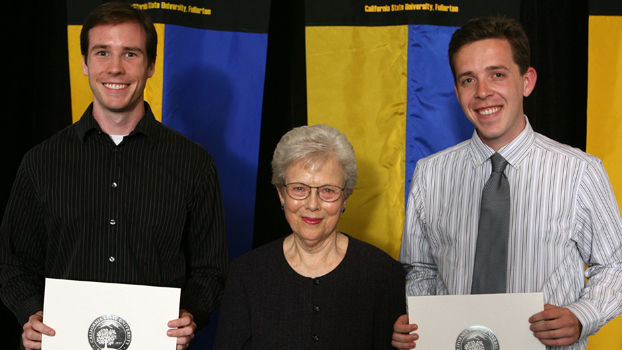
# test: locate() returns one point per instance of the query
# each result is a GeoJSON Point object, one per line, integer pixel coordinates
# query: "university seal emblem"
{"type": "Point", "coordinates": [109, 332]}
{"type": "Point", "coordinates": [477, 338]}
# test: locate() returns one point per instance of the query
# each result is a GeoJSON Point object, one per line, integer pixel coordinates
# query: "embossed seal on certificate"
{"type": "Point", "coordinates": [477, 338]}
{"type": "Point", "coordinates": [109, 332]}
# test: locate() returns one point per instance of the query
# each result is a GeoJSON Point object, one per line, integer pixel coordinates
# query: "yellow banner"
{"type": "Point", "coordinates": [604, 126]}
{"type": "Point", "coordinates": [356, 82]}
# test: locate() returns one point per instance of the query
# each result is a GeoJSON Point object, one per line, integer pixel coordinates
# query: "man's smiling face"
{"type": "Point", "coordinates": [490, 89]}
{"type": "Point", "coordinates": [117, 67]}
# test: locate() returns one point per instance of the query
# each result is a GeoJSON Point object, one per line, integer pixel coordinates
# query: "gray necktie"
{"type": "Point", "coordinates": [491, 254]}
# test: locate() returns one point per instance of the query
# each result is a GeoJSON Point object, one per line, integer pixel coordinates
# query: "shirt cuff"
{"type": "Point", "coordinates": [199, 312]}
{"type": "Point", "coordinates": [29, 307]}
{"type": "Point", "coordinates": [588, 315]}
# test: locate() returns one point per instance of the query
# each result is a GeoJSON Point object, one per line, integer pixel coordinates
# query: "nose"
{"type": "Point", "coordinates": [313, 201]}
{"type": "Point", "coordinates": [483, 90]}
{"type": "Point", "coordinates": [116, 65]}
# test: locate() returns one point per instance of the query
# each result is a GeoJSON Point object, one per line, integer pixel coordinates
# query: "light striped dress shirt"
{"type": "Point", "coordinates": [563, 215]}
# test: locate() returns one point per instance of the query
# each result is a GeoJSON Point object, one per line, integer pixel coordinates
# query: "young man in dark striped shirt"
{"type": "Point", "coordinates": [116, 197]}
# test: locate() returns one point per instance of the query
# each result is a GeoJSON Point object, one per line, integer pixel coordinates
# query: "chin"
{"type": "Point", "coordinates": [312, 235]}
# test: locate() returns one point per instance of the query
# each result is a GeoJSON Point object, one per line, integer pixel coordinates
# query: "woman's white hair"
{"type": "Point", "coordinates": [314, 145]}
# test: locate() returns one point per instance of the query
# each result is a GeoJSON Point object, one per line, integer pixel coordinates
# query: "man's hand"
{"type": "Point", "coordinates": [33, 330]}
{"type": "Point", "coordinates": [555, 326]}
{"type": "Point", "coordinates": [184, 331]}
{"type": "Point", "coordinates": [402, 339]}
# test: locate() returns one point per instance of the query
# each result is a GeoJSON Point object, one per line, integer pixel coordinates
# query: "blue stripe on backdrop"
{"type": "Point", "coordinates": [434, 119]}
{"type": "Point", "coordinates": [212, 93]}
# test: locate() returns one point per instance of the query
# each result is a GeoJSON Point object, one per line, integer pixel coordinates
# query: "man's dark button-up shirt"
{"type": "Point", "coordinates": [148, 211]}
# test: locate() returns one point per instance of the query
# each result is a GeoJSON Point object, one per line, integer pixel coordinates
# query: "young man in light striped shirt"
{"type": "Point", "coordinates": [563, 213]}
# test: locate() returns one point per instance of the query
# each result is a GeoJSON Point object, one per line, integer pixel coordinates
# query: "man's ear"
{"type": "Point", "coordinates": [529, 81]}
{"type": "Point", "coordinates": [151, 69]}
{"type": "Point", "coordinates": [85, 68]}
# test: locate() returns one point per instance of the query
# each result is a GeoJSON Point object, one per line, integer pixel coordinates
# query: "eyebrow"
{"type": "Point", "coordinates": [488, 69]}
{"type": "Point", "coordinates": [126, 48]}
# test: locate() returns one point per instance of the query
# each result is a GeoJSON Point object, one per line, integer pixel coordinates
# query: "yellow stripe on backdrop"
{"type": "Point", "coordinates": [604, 126]}
{"type": "Point", "coordinates": [81, 95]}
{"type": "Point", "coordinates": [356, 82]}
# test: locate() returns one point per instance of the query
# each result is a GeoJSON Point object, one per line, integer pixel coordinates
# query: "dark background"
{"type": "Point", "coordinates": [36, 99]}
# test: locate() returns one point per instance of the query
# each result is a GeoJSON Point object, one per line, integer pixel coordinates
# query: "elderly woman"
{"type": "Point", "coordinates": [316, 288]}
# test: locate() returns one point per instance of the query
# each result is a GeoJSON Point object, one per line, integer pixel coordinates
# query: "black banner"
{"type": "Point", "coordinates": [400, 12]}
{"type": "Point", "coordinates": [237, 16]}
{"type": "Point", "coordinates": [605, 7]}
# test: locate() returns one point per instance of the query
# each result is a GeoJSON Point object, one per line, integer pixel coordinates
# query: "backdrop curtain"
{"type": "Point", "coordinates": [38, 101]}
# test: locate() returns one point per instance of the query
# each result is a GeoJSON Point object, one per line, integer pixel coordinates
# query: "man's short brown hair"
{"type": "Point", "coordinates": [118, 12]}
{"type": "Point", "coordinates": [492, 28]}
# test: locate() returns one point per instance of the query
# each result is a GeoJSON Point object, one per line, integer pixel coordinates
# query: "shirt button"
{"type": "Point", "coordinates": [114, 185]}
{"type": "Point", "coordinates": [316, 308]}
{"type": "Point", "coordinates": [315, 337]}
{"type": "Point", "coordinates": [316, 281]}
{"type": "Point", "coordinates": [112, 222]}
{"type": "Point", "coordinates": [111, 259]}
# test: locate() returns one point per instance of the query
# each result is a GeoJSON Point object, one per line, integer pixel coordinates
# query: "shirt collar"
{"type": "Point", "coordinates": [514, 152]}
{"type": "Point", "coordinates": [147, 125]}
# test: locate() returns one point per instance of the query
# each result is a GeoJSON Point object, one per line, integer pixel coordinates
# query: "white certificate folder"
{"type": "Point", "coordinates": [94, 315]}
{"type": "Point", "coordinates": [483, 321]}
